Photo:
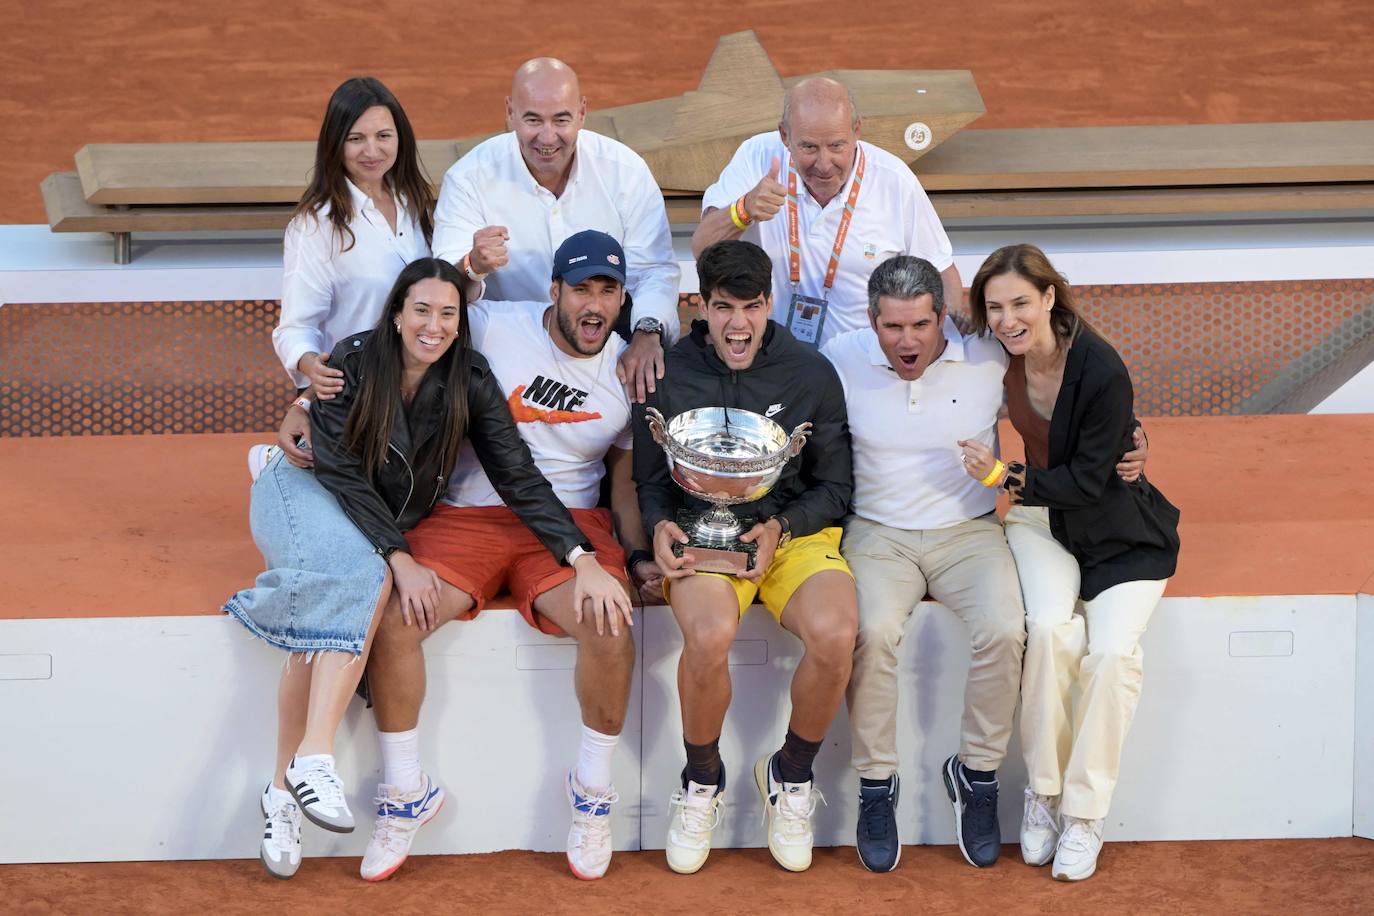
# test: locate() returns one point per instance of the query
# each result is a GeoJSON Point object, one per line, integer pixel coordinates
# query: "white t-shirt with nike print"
{"type": "Point", "coordinates": [570, 411]}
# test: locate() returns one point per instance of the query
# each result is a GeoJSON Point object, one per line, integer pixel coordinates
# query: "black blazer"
{"type": "Point", "coordinates": [1118, 531]}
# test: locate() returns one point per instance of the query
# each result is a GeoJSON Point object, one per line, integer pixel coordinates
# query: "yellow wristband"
{"type": "Point", "coordinates": [740, 224]}
{"type": "Point", "coordinates": [991, 479]}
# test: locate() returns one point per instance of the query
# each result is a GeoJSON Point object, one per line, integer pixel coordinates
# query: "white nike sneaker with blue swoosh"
{"type": "Point", "coordinates": [399, 817]}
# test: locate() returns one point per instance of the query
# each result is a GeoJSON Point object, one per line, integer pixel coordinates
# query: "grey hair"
{"type": "Point", "coordinates": [906, 277]}
{"type": "Point", "coordinates": [849, 94]}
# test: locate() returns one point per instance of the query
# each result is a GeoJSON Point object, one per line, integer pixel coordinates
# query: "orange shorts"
{"type": "Point", "coordinates": [485, 550]}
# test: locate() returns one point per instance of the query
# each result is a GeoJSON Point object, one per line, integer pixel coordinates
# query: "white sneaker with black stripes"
{"type": "Point", "coordinates": [318, 790]}
{"type": "Point", "coordinates": [281, 835]}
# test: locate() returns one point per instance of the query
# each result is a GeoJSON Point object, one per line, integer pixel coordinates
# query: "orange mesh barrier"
{"type": "Point", "coordinates": [1194, 349]}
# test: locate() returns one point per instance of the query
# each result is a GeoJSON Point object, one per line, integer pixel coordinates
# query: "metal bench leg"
{"type": "Point", "coordinates": [121, 247]}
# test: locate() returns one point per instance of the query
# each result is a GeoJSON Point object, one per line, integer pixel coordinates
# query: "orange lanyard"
{"type": "Point", "coordinates": [794, 228]}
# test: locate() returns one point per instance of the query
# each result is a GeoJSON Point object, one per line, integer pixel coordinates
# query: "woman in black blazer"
{"type": "Point", "coordinates": [1093, 550]}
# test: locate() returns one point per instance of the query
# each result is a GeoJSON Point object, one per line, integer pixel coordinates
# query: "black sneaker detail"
{"type": "Point", "coordinates": [975, 814]}
{"type": "Point", "coordinates": [877, 842]}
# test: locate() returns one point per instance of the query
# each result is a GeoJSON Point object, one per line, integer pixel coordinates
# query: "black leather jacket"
{"type": "Point", "coordinates": [411, 481]}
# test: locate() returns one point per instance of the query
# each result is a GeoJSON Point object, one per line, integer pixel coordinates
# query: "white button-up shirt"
{"type": "Point", "coordinates": [892, 216]}
{"type": "Point", "coordinates": [328, 294]}
{"type": "Point", "coordinates": [610, 189]}
{"type": "Point", "coordinates": [907, 472]}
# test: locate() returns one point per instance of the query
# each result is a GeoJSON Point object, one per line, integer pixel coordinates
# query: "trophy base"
{"type": "Point", "coordinates": [731, 558]}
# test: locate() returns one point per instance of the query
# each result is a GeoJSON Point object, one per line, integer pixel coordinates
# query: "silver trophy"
{"type": "Point", "coordinates": [725, 456]}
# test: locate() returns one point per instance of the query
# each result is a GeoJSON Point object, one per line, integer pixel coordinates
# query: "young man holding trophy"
{"type": "Point", "coordinates": [746, 415]}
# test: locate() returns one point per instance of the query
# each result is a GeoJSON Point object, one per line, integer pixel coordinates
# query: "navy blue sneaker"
{"type": "Point", "coordinates": [975, 814]}
{"type": "Point", "coordinates": [879, 848]}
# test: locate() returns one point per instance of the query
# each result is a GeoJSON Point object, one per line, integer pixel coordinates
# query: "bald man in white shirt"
{"type": "Point", "coordinates": [817, 156]}
{"type": "Point", "coordinates": [513, 199]}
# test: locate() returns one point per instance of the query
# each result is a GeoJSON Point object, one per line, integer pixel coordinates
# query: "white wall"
{"type": "Point", "coordinates": [155, 735]}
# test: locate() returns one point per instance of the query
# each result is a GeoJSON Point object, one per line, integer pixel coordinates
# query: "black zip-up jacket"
{"type": "Point", "coordinates": [788, 382]}
{"type": "Point", "coordinates": [411, 481]}
{"type": "Point", "coordinates": [1118, 531]}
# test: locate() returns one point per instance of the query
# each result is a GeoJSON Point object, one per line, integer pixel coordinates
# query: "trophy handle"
{"type": "Point", "coordinates": [657, 426]}
{"type": "Point", "coordinates": [798, 439]}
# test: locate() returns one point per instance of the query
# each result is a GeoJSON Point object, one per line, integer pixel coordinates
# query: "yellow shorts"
{"type": "Point", "coordinates": [793, 564]}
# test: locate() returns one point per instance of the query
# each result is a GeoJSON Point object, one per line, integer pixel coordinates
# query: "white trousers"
{"type": "Point", "coordinates": [1073, 750]}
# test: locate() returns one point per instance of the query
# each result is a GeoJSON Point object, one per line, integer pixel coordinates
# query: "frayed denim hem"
{"type": "Point", "coordinates": [325, 644]}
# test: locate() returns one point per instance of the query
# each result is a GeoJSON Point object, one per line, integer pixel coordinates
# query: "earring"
{"type": "Point", "coordinates": [398, 327]}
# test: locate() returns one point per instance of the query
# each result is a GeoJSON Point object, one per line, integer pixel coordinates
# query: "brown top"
{"type": "Point", "coordinates": [1034, 429]}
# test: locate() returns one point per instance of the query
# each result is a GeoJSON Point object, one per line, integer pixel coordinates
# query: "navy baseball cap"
{"type": "Point", "coordinates": [589, 254]}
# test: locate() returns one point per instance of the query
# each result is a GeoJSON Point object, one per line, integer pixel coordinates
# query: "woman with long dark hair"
{"type": "Point", "coordinates": [366, 214]}
{"type": "Point", "coordinates": [1093, 551]}
{"type": "Point", "coordinates": [334, 539]}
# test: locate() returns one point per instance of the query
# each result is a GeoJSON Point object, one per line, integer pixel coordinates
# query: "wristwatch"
{"type": "Point", "coordinates": [650, 326]}
{"type": "Point", "coordinates": [786, 527]}
{"type": "Point", "coordinates": [580, 551]}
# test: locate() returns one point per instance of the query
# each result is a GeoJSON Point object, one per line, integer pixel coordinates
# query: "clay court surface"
{"type": "Point", "coordinates": [76, 72]}
{"type": "Point", "coordinates": [1303, 878]}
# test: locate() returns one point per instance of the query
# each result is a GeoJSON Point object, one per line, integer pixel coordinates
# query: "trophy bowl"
{"type": "Point", "coordinates": [725, 456]}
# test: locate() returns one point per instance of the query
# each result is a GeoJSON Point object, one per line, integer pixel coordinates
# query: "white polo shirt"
{"type": "Point", "coordinates": [907, 472]}
{"type": "Point", "coordinates": [569, 410]}
{"type": "Point", "coordinates": [328, 294]}
{"type": "Point", "coordinates": [892, 216]}
{"type": "Point", "coordinates": [610, 189]}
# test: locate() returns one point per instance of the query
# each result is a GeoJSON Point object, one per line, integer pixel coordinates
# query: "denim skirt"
{"type": "Point", "coordinates": [323, 577]}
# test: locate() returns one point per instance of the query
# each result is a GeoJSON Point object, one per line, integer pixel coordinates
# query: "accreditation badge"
{"type": "Point", "coordinates": [806, 317]}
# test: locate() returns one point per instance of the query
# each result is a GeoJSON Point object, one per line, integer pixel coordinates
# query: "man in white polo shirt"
{"type": "Point", "coordinates": [914, 386]}
{"type": "Point", "coordinates": [828, 208]}
{"type": "Point", "coordinates": [513, 199]}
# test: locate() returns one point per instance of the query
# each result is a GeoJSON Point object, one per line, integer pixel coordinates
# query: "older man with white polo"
{"type": "Point", "coordinates": [828, 208]}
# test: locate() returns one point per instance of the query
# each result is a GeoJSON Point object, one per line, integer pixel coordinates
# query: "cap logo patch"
{"type": "Point", "coordinates": [580, 257]}
{"type": "Point", "coordinates": [613, 259]}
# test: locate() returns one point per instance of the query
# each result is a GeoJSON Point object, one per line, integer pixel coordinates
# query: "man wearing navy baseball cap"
{"type": "Point", "coordinates": [556, 362]}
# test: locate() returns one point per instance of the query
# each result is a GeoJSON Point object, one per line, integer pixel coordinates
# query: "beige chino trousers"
{"type": "Point", "coordinates": [1074, 750]}
{"type": "Point", "coordinates": [969, 569]}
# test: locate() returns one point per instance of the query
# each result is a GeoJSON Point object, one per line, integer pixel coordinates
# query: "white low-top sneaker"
{"type": "Point", "coordinates": [259, 457]}
{"type": "Point", "coordinates": [694, 813]}
{"type": "Point", "coordinates": [319, 791]}
{"type": "Point", "coordinates": [1039, 828]}
{"type": "Point", "coordinates": [1079, 845]}
{"type": "Point", "coordinates": [589, 838]}
{"type": "Point", "coordinates": [281, 835]}
{"type": "Point", "coordinates": [399, 817]}
{"type": "Point", "coordinates": [787, 810]}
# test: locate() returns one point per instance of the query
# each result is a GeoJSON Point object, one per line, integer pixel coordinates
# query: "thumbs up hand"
{"type": "Point", "coordinates": [767, 197]}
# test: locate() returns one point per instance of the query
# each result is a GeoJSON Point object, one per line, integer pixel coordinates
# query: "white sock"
{"type": "Point", "coordinates": [304, 759]}
{"type": "Point", "coordinates": [594, 759]}
{"type": "Point", "coordinates": [277, 796]}
{"type": "Point", "coordinates": [401, 759]}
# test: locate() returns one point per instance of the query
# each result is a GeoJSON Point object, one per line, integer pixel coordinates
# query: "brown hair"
{"type": "Point", "coordinates": [1030, 264]}
{"type": "Point", "coordinates": [368, 431]}
{"type": "Point", "coordinates": [328, 178]}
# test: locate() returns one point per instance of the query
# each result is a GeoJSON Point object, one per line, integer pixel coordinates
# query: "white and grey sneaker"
{"type": "Point", "coordinates": [281, 835]}
{"type": "Point", "coordinates": [1079, 845]}
{"type": "Point", "coordinates": [1039, 828]}
{"type": "Point", "coordinates": [400, 815]}
{"type": "Point", "coordinates": [589, 838]}
{"type": "Point", "coordinates": [317, 789]}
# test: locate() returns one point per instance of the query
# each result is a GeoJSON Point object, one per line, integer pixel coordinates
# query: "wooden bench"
{"type": "Point", "coordinates": [988, 174]}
